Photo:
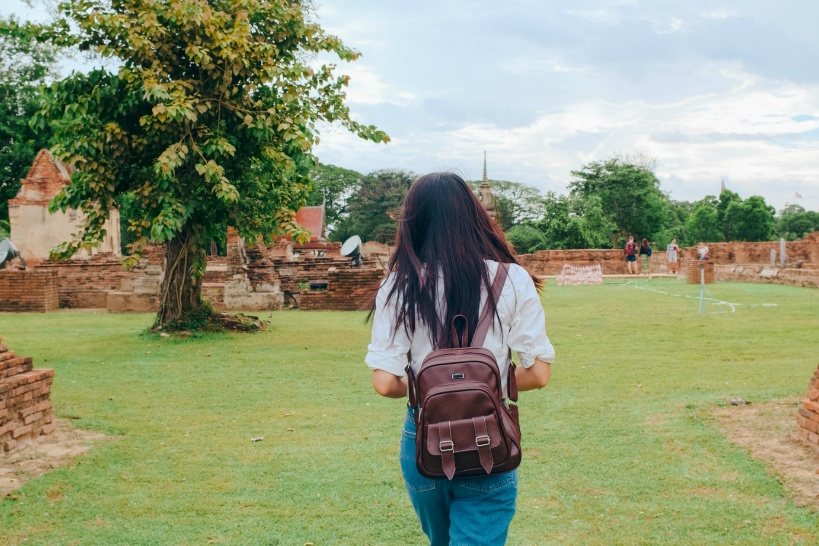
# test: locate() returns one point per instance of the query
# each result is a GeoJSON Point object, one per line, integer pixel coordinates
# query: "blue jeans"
{"type": "Point", "coordinates": [465, 511]}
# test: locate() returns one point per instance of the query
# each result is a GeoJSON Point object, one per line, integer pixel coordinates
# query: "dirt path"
{"type": "Point", "coordinates": [768, 432]}
{"type": "Point", "coordinates": [35, 458]}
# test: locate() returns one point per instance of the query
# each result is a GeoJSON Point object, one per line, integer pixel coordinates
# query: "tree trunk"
{"type": "Point", "coordinates": [185, 261]}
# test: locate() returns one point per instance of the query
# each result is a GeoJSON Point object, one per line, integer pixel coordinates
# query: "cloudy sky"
{"type": "Point", "coordinates": [714, 90]}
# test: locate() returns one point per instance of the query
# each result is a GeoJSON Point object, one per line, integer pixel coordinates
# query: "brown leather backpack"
{"type": "Point", "coordinates": [464, 426]}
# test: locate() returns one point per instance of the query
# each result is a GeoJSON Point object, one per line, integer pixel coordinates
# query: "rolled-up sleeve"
{"type": "Point", "coordinates": [386, 351]}
{"type": "Point", "coordinates": [527, 334]}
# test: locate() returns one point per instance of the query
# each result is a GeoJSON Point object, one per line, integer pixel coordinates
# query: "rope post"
{"type": "Point", "coordinates": [702, 288]}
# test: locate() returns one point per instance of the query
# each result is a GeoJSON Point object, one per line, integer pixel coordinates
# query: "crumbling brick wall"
{"type": "Point", "coordinates": [25, 399]}
{"type": "Point", "coordinates": [85, 284]}
{"type": "Point", "coordinates": [348, 289]}
{"type": "Point", "coordinates": [804, 250]}
{"type": "Point", "coordinates": [550, 262]}
{"type": "Point", "coordinates": [808, 416]}
{"type": "Point", "coordinates": [765, 274]}
{"type": "Point", "coordinates": [28, 291]}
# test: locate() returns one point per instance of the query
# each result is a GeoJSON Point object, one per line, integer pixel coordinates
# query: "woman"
{"type": "Point", "coordinates": [631, 256]}
{"type": "Point", "coordinates": [446, 256]}
{"type": "Point", "coordinates": [671, 254]}
{"type": "Point", "coordinates": [645, 256]}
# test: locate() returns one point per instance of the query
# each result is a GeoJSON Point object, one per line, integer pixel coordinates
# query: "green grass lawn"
{"type": "Point", "coordinates": [619, 449]}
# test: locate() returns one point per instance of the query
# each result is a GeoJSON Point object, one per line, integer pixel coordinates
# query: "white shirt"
{"type": "Point", "coordinates": [522, 328]}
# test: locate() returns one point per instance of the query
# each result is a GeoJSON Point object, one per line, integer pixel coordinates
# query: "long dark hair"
{"type": "Point", "coordinates": [644, 245]}
{"type": "Point", "coordinates": [443, 231]}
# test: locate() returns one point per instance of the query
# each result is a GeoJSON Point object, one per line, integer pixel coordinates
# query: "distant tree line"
{"type": "Point", "coordinates": [607, 201]}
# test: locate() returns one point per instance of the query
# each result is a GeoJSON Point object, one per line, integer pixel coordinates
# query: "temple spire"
{"type": "Point", "coordinates": [722, 187]}
{"type": "Point", "coordinates": [485, 194]}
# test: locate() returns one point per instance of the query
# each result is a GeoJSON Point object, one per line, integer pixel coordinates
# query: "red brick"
{"type": "Point", "coordinates": [32, 418]}
{"type": "Point", "coordinates": [813, 394]}
{"type": "Point", "coordinates": [25, 412]}
{"type": "Point", "coordinates": [44, 405]}
{"type": "Point", "coordinates": [7, 356]}
{"type": "Point", "coordinates": [9, 445]}
{"type": "Point", "coordinates": [811, 405]}
{"type": "Point", "coordinates": [6, 428]}
{"type": "Point", "coordinates": [16, 433]}
{"type": "Point", "coordinates": [801, 420]}
{"type": "Point", "coordinates": [813, 437]}
{"type": "Point", "coordinates": [16, 361]}
{"type": "Point", "coordinates": [807, 414]}
{"type": "Point", "coordinates": [47, 429]}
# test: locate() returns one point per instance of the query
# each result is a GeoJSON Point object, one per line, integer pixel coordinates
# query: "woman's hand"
{"type": "Point", "coordinates": [535, 377]}
{"type": "Point", "coordinates": [389, 385]}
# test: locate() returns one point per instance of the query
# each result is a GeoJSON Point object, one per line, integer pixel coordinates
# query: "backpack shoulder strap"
{"type": "Point", "coordinates": [486, 319]}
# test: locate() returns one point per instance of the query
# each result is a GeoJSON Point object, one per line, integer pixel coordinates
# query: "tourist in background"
{"type": "Point", "coordinates": [631, 256]}
{"type": "Point", "coordinates": [645, 256]}
{"type": "Point", "coordinates": [702, 252]}
{"type": "Point", "coordinates": [671, 253]}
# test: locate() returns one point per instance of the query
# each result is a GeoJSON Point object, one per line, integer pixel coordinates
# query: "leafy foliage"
{"type": "Point", "coordinates": [629, 193]}
{"type": "Point", "coordinates": [372, 212]}
{"type": "Point", "coordinates": [704, 223]}
{"type": "Point", "coordinates": [209, 121]}
{"type": "Point", "coordinates": [794, 222]}
{"type": "Point", "coordinates": [750, 220]}
{"type": "Point", "coordinates": [571, 222]}
{"type": "Point", "coordinates": [515, 203]}
{"type": "Point", "coordinates": [26, 65]}
{"type": "Point", "coordinates": [332, 186]}
{"type": "Point", "coordinates": [526, 239]}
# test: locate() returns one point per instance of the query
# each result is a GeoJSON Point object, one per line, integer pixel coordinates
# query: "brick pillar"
{"type": "Point", "coordinates": [692, 271]}
{"type": "Point", "coordinates": [25, 399]}
{"type": "Point", "coordinates": [808, 417]}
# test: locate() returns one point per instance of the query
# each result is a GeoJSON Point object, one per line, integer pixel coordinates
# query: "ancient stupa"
{"type": "Point", "coordinates": [485, 194]}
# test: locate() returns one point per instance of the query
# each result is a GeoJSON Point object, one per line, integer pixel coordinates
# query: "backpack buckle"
{"type": "Point", "coordinates": [446, 445]}
{"type": "Point", "coordinates": [482, 440]}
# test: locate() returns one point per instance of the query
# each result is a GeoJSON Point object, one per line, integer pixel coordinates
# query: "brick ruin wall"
{"type": "Point", "coordinates": [272, 269]}
{"type": "Point", "coordinates": [28, 291]}
{"type": "Point", "coordinates": [85, 283]}
{"type": "Point", "coordinates": [550, 262]}
{"type": "Point", "coordinates": [801, 255]}
{"type": "Point", "coordinates": [808, 416]}
{"type": "Point", "coordinates": [25, 399]}
{"type": "Point", "coordinates": [348, 289]}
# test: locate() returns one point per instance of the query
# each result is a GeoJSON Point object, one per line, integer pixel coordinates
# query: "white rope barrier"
{"type": "Point", "coordinates": [574, 275]}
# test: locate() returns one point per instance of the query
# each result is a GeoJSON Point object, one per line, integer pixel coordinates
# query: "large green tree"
{"type": "Point", "coordinates": [515, 203]}
{"type": "Point", "coordinates": [794, 222]}
{"type": "Point", "coordinates": [332, 186]}
{"type": "Point", "coordinates": [209, 121]}
{"type": "Point", "coordinates": [703, 224]}
{"type": "Point", "coordinates": [750, 220]}
{"type": "Point", "coordinates": [629, 193]}
{"type": "Point", "coordinates": [526, 239]}
{"type": "Point", "coordinates": [570, 222]}
{"type": "Point", "coordinates": [26, 65]}
{"type": "Point", "coordinates": [724, 201]}
{"type": "Point", "coordinates": [373, 210]}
